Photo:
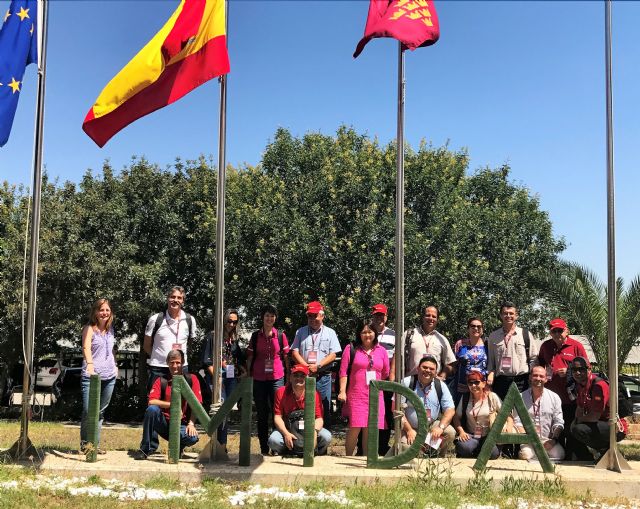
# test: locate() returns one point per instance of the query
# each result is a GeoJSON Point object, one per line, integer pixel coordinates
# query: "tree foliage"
{"type": "Point", "coordinates": [315, 220]}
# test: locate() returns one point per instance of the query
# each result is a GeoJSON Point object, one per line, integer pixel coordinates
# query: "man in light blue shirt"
{"type": "Point", "coordinates": [438, 404]}
{"type": "Point", "coordinates": [316, 345]}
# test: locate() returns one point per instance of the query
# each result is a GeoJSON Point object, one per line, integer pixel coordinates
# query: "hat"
{"type": "Point", "coordinates": [314, 307]}
{"type": "Point", "coordinates": [475, 375]}
{"type": "Point", "coordinates": [300, 368]}
{"type": "Point", "coordinates": [557, 323]}
{"type": "Point", "coordinates": [379, 308]}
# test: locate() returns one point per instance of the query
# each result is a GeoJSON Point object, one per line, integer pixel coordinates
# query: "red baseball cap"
{"type": "Point", "coordinates": [379, 308]}
{"type": "Point", "coordinates": [557, 323]}
{"type": "Point", "coordinates": [314, 307]}
{"type": "Point", "coordinates": [300, 368]}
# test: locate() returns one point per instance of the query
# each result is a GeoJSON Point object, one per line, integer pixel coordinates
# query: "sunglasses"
{"type": "Point", "coordinates": [474, 382]}
{"type": "Point", "coordinates": [479, 327]}
{"type": "Point", "coordinates": [579, 370]}
{"type": "Point", "coordinates": [557, 331]}
{"type": "Point", "coordinates": [232, 322]}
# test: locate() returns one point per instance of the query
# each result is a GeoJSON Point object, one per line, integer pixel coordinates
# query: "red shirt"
{"type": "Point", "coordinates": [593, 397]}
{"type": "Point", "coordinates": [286, 402]}
{"type": "Point", "coordinates": [559, 358]}
{"type": "Point", "coordinates": [268, 349]}
{"type": "Point", "coordinates": [157, 389]}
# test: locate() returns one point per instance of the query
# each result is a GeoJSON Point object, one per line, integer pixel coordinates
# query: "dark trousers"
{"type": "Point", "coordinates": [154, 424]}
{"type": "Point", "coordinates": [263, 397]}
{"type": "Point", "coordinates": [471, 448]}
{"type": "Point", "coordinates": [594, 435]}
{"type": "Point", "coordinates": [568, 441]}
{"type": "Point", "coordinates": [501, 384]}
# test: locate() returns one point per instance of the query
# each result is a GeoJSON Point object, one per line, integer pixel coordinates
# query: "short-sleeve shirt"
{"type": "Point", "coordinates": [558, 358]}
{"type": "Point", "coordinates": [324, 342]}
{"type": "Point", "coordinates": [268, 349]}
{"type": "Point", "coordinates": [501, 345]}
{"type": "Point", "coordinates": [285, 402]}
{"type": "Point", "coordinates": [593, 397]}
{"type": "Point", "coordinates": [470, 358]}
{"type": "Point", "coordinates": [429, 397]}
{"type": "Point", "coordinates": [156, 393]}
{"type": "Point", "coordinates": [172, 334]}
{"type": "Point", "coordinates": [387, 338]}
{"type": "Point", "coordinates": [418, 344]}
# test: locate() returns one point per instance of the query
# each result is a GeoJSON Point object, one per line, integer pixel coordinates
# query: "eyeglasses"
{"type": "Point", "coordinates": [474, 382]}
{"type": "Point", "coordinates": [557, 331]}
{"type": "Point", "coordinates": [232, 322]}
{"type": "Point", "coordinates": [479, 327]}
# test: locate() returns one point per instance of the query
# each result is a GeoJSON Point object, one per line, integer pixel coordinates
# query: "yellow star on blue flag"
{"type": "Point", "coordinates": [18, 48]}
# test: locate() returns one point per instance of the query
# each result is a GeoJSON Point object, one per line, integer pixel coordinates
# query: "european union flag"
{"type": "Point", "coordinates": [18, 48]}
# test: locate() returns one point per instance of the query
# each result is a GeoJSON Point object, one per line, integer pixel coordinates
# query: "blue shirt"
{"type": "Point", "coordinates": [429, 397]}
{"type": "Point", "coordinates": [323, 342]}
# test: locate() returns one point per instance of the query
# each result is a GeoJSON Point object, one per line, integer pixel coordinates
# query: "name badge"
{"type": "Point", "coordinates": [176, 346]}
{"type": "Point", "coordinates": [477, 431]}
{"type": "Point", "coordinates": [428, 414]}
{"type": "Point", "coordinates": [538, 429]}
{"type": "Point", "coordinates": [230, 371]}
{"type": "Point", "coordinates": [312, 357]}
{"type": "Point", "coordinates": [549, 373]}
{"type": "Point", "coordinates": [300, 425]}
{"type": "Point", "coordinates": [268, 365]}
{"type": "Point", "coordinates": [506, 363]}
{"type": "Point", "coordinates": [371, 375]}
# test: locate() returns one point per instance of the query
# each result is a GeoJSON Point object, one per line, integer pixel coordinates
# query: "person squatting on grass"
{"type": "Point", "coordinates": [98, 343]}
{"type": "Point", "coordinates": [156, 416]}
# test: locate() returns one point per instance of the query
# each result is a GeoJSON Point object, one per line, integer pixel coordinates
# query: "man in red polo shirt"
{"type": "Point", "coordinates": [590, 428]}
{"type": "Point", "coordinates": [556, 355]}
{"type": "Point", "coordinates": [289, 399]}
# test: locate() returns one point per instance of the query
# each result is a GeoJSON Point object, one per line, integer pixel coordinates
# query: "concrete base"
{"type": "Point", "coordinates": [340, 470]}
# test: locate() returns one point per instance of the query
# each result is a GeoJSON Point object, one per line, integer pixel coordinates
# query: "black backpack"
{"type": "Point", "coordinates": [254, 343]}
{"type": "Point", "coordinates": [625, 404]}
{"type": "Point", "coordinates": [293, 426]}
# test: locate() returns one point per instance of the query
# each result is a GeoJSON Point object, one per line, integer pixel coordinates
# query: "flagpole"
{"type": "Point", "coordinates": [399, 348]}
{"type": "Point", "coordinates": [215, 450]}
{"type": "Point", "coordinates": [612, 460]}
{"type": "Point", "coordinates": [24, 446]}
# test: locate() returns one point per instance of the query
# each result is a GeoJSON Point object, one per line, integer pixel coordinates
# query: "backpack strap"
{"type": "Point", "coordinates": [414, 383]}
{"type": "Point", "coordinates": [352, 355]}
{"type": "Point", "coordinates": [156, 326]}
{"type": "Point", "coordinates": [526, 335]}
{"type": "Point", "coordinates": [189, 319]}
{"type": "Point", "coordinates": [438, 384]}
{"type": "Point", "coordinates": [465, 404]}
{"type": "Point", "coordinates": [163, 387]}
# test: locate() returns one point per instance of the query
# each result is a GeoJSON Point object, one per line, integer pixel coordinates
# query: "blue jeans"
{"type": "Point", "coordinates": [471, 448]}
{"type": "Point", "coordinates": [263, 396]}
{"type": "Point", "coordinates": [106, 390]}
{"type": "Point", "coordinates": [228, 386]}
{"type": "Point", "coordinates": [323, 386]}
{"type": "Point", "coordinates": [154, 424]}
{"type": "Point", "coordinates": [276, 441]}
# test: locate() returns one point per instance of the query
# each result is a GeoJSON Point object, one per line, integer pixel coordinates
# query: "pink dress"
{"type": "Point", "coordinates": [356, 407]}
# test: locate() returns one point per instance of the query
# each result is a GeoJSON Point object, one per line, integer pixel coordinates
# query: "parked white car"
{"type": "Point", "coordinates": [47, 371]}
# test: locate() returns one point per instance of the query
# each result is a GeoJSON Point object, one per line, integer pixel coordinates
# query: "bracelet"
{"type": "Point", "coordinates": [89, 363]}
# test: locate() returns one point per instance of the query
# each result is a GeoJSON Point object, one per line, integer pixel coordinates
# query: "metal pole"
{"type": "Point", "coordinates": [399, 356]}
{"type": "Point", "coordinates": [23, 445]}
{"type": "Point", "coordinates": [612, 460]}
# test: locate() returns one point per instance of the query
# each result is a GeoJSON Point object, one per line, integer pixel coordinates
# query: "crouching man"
{"type": "Point", "coordinates": [156, 417]}
{"type": "Point", "coordinates": [438, 404]}
{"type": "Point", "coordinates": [545, 408]}
{"type": "Point", "coordinates": [288, 417]}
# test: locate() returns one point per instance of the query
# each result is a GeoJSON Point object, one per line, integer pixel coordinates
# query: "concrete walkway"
{"type": "Point", "coordinates": [271, 471]}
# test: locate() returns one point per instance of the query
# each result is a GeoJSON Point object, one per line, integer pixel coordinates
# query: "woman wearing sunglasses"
{"type": "Point", "coordinates": [370, 362]}
{"type": "Point", "coordinates": [474, 417]}
{"type": "Point", "coordinates": [471, 355]}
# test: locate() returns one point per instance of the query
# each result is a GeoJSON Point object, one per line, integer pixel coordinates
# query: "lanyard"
{"type": "Point", "coordinates": [424, 338]}
{"type": "Point", "coordinates": [477, 408]}
{"type": "Point", "coordinates": [314, 337]}
{"type": "Point", "coordinates": [166, 319]}
{"type": "Point", "coordinates": [426, 392]}
{"type": "Point", "coordinates": [369, 355]}
{"type": "Point", "coordinates": [536, 410]}
{"type": "Point", "coordinates": [227, 350]}
{"type": "Point", "coordinates": [269, 340]}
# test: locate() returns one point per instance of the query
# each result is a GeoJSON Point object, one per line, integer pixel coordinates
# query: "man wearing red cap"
{"type": "Point", "coordinates": [556, 355]}
{"type": "Point", "coordinates": [315, 346]}
{"type": "Point", "coordinates": [288, 417]}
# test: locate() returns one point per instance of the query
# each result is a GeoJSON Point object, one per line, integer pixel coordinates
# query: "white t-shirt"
{"type": "Point", "coordinates": [172, 334]}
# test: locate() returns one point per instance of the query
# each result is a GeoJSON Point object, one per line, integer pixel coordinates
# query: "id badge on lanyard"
{"type": "Point", "coordinates": [477, 431]}
{"type": "Point", "coordinates": [371, 376]}
{"type": "Point", "coordinates": [506, 364]}
{"type": "Point", "coordinates": [268, 366]}
{"type": "Point", "coordinates": [312, 357]}
{"type": "Point", "coordinates": [230, 371]}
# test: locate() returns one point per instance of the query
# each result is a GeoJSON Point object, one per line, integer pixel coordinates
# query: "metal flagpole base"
{"type": "Point", "coordinates": [613, 460]}
{"type": "Point", "coordinates": [23, 450]}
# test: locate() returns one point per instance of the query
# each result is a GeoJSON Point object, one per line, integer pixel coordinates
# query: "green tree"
{"type": "Point", "coordinates": [582, 298]}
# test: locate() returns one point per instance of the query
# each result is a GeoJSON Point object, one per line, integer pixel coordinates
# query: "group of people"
{"type": "Point", "coordinates": [461, 387]}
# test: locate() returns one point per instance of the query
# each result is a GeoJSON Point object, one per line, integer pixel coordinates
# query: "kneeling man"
{"type": "Point", "coordinates": [438, 404]}
{"type": "Point", "coordinates": [545, 408]}
{"type": "Point", "coordinates": [288, 408]}
{"type": "Point", "coordinates": [156, 417]}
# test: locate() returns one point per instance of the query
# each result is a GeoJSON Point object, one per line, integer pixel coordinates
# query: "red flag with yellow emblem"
{"type": "Point", "coordinates": [412, 22]}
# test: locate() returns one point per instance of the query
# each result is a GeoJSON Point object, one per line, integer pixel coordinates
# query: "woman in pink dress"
{"type": "Point", "coordinates": [370, 362]}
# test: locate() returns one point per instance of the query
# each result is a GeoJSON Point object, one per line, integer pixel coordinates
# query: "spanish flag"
{"type": "Point", "coordinates": [189, 50]}
{"type": "Point", "coordinates": [412, 22]}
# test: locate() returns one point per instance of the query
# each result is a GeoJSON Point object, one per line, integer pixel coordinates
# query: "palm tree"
{"type": "Point", "coordinates": [582, 299]}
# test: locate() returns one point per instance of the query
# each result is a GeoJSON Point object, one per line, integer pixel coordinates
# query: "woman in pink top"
{"type": "Point", "coordinates": [267, 362]}
{"type": "Point", "coordinates": [370, 362]}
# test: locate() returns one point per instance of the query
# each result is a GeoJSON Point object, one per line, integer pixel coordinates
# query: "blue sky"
{"type": "Point", "coordinates": [512, 82]}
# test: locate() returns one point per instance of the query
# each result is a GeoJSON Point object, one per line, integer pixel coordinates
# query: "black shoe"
{"type": "Point", "coordinates": [140, 455]}
{"type": "Point", "coordinates": [264, 451]}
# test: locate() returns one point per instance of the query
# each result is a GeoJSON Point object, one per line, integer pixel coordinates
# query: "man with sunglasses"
{"type": "Point", "coordinates": [590, 428]}
{"type": "Point", "coordinates": [556, 355]}
{"type": "Point", "coordinates": [288, 436]}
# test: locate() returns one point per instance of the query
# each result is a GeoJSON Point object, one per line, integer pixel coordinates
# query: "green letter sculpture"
{"type": "Point", "coordinates": [309, 421]}
{"type": "Point", "coordinates": [495, 436]}
{"type": "Point", "coordinates": [93, 419]}
{"type": "Point", "coordinates": [372, 444]}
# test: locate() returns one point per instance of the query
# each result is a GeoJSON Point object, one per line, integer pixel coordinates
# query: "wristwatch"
{"type": "Point", "coordinates": [441, 426]}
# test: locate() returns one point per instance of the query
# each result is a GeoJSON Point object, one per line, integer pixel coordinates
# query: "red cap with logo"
{"type": "Point", "coordinates": [557, 323]}
{"type": "Point", "coordinates": [379, 308]}
{"type": "Point", "coordinates": [314, 307]}
{"type": "Point", "coordinates": [300, 368]}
